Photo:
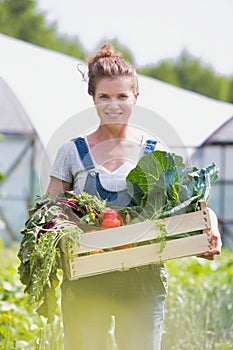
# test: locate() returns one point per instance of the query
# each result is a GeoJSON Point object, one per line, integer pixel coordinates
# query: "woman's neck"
{"type": "Point", "coordinates": [111, 147]}
{"type": "Point", "coordinates": [108, 131]}
{"type": "Point", "coordinates": [116, 133]}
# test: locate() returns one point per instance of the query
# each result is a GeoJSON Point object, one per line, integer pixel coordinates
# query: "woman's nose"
{"type": "Point", "coordinates": [113, 103]}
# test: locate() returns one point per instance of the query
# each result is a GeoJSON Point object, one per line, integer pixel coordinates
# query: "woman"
{"type": "Point", "coordinates": [98, 164]}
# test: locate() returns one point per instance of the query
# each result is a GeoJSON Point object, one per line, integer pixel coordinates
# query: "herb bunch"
{"type": "Point", "coordinates": [50, 219]}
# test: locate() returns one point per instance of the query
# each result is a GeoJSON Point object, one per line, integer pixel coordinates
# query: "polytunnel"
{"type": "Point", "coordinates": [44, 102]}
{"type": "Point", "coordinates": [218, 148]}
{"type": "Point", "coordinates": [19, 149]}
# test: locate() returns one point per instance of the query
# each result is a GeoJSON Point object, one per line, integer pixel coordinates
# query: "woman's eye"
{"type": "Point", "coordinates": [123, 97]}
{"type": "Point", "coordinates": [103, 96]}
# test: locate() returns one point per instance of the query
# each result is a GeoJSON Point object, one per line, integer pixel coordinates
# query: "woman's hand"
{"type": "Point", "coordinates": [215, 241]}
{"type": "Point", "coordinates": [216, 244]}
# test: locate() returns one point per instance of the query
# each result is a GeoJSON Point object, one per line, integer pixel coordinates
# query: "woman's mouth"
{"type": "Point", "coordinates": [114, 115]}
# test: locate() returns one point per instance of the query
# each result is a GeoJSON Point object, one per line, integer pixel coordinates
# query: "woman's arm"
{"type": "Point", "coordinates": [57, 186]}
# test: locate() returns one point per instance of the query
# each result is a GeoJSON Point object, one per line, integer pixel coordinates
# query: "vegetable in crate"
{"type": "Point", "coordinates": [51, 218]}
{"type": "Point", "coordinates": [111, 219]}
{"type": "Point", "coordinates": [160, 185]}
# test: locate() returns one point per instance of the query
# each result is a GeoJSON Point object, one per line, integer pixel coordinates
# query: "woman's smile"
{"type": "Point", "coordinates": [114, 115]}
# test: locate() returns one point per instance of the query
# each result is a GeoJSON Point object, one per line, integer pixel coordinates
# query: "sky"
{"type": "Point", "coordinates": [152, 30]}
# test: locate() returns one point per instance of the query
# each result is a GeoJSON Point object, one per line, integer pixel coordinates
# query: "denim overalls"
{"type": "Point", "coordinates": [135, 297]}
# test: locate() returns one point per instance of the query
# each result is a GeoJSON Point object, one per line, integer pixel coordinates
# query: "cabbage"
{"type": "Point", "coordinates": [160, 185]}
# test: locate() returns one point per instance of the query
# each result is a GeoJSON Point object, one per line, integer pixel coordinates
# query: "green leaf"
{"type": "Point", "coordinates": [49, 305]}
{"type": "Point", "coordinates": [150, 167]}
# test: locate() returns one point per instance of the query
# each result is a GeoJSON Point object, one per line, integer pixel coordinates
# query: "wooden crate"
{"type": "Point", "coordinates": [124, 259]}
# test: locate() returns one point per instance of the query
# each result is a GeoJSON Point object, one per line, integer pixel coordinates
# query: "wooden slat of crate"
{"type": "Point", "coordinates": [143, 231]}
{"type": "Point", "coordinates": [120, 260]}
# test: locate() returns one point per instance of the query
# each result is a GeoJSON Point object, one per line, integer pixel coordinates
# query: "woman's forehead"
{"type": "Point", "coordinates": [114, 84]}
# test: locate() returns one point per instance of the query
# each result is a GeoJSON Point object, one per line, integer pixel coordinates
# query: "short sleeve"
{"type": "Point", "coordinates": [62, 168]}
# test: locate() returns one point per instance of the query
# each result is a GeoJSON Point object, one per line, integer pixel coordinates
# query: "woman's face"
{"type": "Point", "coordinates": [114, 99]}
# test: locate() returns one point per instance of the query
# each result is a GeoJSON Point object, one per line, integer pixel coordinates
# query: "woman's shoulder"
{"type": "Point", "coordinates": [68, 156]}
{"type": "Point", "coordinates": [67, 146]}
{"type": "Point", "coordinates": [71, 144]}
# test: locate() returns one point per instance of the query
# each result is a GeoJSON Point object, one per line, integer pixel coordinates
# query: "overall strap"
{"type": "Point", "coordinates": [150, 146]}
{"type": "Point", "coordinates": [83, 152]}
{"type": "Point", "coordinates": [93, 184]}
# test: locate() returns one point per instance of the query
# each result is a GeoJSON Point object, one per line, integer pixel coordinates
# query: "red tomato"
{"type": "Point", "coordinates": [111, 218]}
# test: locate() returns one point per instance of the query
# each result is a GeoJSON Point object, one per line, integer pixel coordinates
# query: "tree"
{"type": "Point", "coordinates": [165, 71]}
{"type": "Point", "coordinates": [20, 19]}
{"type": "Point", "coordinates": [230, 91]}
{"type": "Point", "coordinates": [195, 76]}
{"type": "Point", "coordinates": [189, 72]}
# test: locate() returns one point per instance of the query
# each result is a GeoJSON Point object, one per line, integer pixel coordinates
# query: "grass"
{"type": "Point", "coordinates": [198, 314]}
{"type": "Point", "coordinates": [199, 305]}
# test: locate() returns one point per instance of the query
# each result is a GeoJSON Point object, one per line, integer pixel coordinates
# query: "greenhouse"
{"type": "Point", "coordinates": [43, 102]}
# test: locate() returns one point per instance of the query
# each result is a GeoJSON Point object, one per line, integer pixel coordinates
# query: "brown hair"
{"type": "Point", "coordinates": [107, 63]}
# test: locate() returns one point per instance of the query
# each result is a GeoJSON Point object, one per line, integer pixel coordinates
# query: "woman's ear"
{"type": "Point", "coordinates": [136, 96]}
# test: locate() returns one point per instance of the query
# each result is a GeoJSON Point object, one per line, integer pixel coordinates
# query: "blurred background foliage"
{"type": "Point", "coordinates": [198, 310]}
{"type": "Point", "coordinates": [22, 20]}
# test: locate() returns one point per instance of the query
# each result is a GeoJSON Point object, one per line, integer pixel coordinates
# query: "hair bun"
{"type": "Point", "coordinates": [107, 50]}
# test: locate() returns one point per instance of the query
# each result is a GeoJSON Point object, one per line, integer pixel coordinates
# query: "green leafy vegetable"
{"type": "Point", "coordinates": [162, 186]}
